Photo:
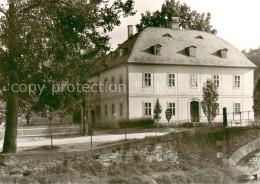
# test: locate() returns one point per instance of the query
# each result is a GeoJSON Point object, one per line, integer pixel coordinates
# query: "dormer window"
{"type": "Point", "coordinates": [167, 35]}
{"type": "Point", "coordinates": [113, 54]}
{"type": "Point", "coordinates": [122, 51]}
{"type": "Point", "coordinates": [199, 37]}
{"type": "Point", "coordinates": [157, 49]}
{"type": "Point", "coordinates": [223, 53]}
{"type": "Point", "coordinates": [192, 51]}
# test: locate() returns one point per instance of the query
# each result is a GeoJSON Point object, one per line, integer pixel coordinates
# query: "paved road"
{"type": "Point", "coordinates": [35, 142]}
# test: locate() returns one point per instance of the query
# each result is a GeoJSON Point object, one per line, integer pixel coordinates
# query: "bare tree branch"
{"type": "Point", "coordinates": [39, 3]}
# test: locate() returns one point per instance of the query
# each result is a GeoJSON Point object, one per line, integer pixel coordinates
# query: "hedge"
{"type": "Point", "coordinates": [142, 122]}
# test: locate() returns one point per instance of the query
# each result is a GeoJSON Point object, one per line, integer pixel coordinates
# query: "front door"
{"type": "Point", "coordinates": [194, 111]}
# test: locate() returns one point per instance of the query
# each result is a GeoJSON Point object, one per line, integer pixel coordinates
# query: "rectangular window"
{"type": "Point", "coordinates": [216, 80]}
{"type": "Point", "coordinates": [120, 79]}
{"type": "Point", "coordinates": [105, 81]}
{"type": "Point", "coordinates": [121, 109]}
{"type": "Point", "coordinates": [112, 83]}
{"type": "Point", "coordinates": [237, 81]}
{"type": "Point", "coordinates": [172, 107]}
{"type": "Point", "coordinates": [194, 80]}
{"type": "Point", "coordinates": [171, 80]}
{"type": "Point", "coordinates": [113, 110]}
{"type": "Point", "coordinates": [218, 109]}
{"type": "Point", "coordinates": [147, 80]}
{"type": "Point", "coordinates": [147, 109]}
{"type": "Point", "coordinates": [91, 85]}
{"type": "Point", "coordinates": [105, 109]}
{"type": "Point", "coordinates": [237, 108]}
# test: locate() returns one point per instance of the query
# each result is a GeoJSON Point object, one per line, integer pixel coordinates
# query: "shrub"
{"type": "Point", "coordinates": [143, 122]}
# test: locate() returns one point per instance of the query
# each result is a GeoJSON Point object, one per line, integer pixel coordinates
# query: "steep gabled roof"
{"type": "Point", "coordinates": [173, 50]}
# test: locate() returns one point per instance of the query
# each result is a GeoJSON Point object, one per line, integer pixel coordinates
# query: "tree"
{"type": "Point", "coordinates": [254, 56]}
{"type": "Point", "coordinates": [189, 19]}
{"type": "Point", "coordinates": [256, 106]}
{"type": "Point", "coordinates": [51, 39]}
{"type": "Point", "coordinates": [157, 111]}
{"type": "Point", "coordinates": [209, 102]}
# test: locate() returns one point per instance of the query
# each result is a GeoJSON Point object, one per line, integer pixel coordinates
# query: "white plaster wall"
{"type": "Point", "coordinates": [182, 93]}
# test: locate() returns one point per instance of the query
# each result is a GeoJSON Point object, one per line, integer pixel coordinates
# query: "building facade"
{"type": "Point", "coordinates": [170, 65]}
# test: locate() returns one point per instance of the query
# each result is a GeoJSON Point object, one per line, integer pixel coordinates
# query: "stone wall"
{"type": "Point", "coordinates": [240, 136]}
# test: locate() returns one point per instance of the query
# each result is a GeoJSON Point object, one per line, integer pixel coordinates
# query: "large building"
{"type": "Point", "coordinates": [171, 65]}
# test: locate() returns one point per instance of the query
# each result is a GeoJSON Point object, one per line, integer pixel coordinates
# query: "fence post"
{"type": "Point", "coordinates": [225, 116]}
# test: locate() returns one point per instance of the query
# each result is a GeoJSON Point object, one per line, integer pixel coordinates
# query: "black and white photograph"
{"type": "Point", "coordinates": [129, 91]}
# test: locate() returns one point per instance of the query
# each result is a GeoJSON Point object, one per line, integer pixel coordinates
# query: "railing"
{"type": "Point", "coordinates": [244, 118]}
{"type": "Point", "coordinates": [43, 130]}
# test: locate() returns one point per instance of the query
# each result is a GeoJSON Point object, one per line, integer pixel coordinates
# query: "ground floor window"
{"type": "Point", "coordinates": [105, 109]}
{"type": "Point", "coordinates": [218, 109]}
{"type": "Point", "coordinates": [113, 110]}
{"type": "Point", "coordinates": [121, 109]}
{"type": "Point", "coordinates": [147, 109]}
{"type": "Point", "coordinates": [172, 107]}
{"type": "Point", "coordinates": [237, 108]}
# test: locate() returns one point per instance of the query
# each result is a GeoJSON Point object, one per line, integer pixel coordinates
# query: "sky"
{"type": "Point", "coordinates": [237, 21]}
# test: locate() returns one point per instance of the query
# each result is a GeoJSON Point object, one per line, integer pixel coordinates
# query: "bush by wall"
{"type": "Point", "coordinates": [142, 122]}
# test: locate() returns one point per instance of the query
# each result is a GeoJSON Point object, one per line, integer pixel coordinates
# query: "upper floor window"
{"type": "Point", "coordinates": [121, 109]}
{"type": "Point", "coordinates": [194, 80]}
{"type": "Point", "coordinates": [171, 80]}
{"type": "Point", "coordinates": [172, 107]}
{"type": "Point", "coordinates": [157, 49]}
{"type": "Point", "coordinates": [237, 81]}
{"type": "Point", "coordinates": [216, 80]}
{"type": "Point", "coordinates": [112, 83]}
{"type": "Point", "coordinates": [147, 109]}
{"type": "Point", "coordinates": [120, 79]}
{"type": "Point", "coordinates": [223, 53]}
{"type": "Point", "coordinates": [237, 108]}
{"type": "Point", "coordinates": [105, 81]}
{"type": "Point", "coordinates": [192, 51]}
{"type": "Point", "coordinates": [147, 80]}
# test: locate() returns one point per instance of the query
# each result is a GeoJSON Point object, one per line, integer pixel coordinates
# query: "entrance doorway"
{"type": "Point", "coordinates": [194, 111]}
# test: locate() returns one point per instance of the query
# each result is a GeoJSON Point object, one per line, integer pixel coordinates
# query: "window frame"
{"type": "Point", "coordinates": [191, 80]}
{"type": "Point", "coordinates": [121, 109]}
{"type": "Point", "coordinates": [216, 80]}
{"type": "Point", "coordinates": [147, 109]}
{"type": "Point", "coordinates": [105, 110]}
{"type": "Point", "coordinates": [237, 81]}
{"type": "Point", "coordinates": [147, 80]}
{"type": "Point", "coordinates": [172, 106]}
{"type": "Point", "coordinates": [237, 108]}
{"type": "Point", "coordinates": [218, 109]}
{"type": "Point", "coordinates": [192, 51]}
{"type": "Point", "coordinates": [157, 49]}
{"type": "Point", "coordinates": [113, 109]}
{"type": "Point", "coordinates": [171, 78]}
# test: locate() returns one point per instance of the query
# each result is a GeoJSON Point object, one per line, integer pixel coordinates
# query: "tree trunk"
{"type": "Point", "coordinates": [11, 123]}
{"type": "Point", "coordinates": [13, 97]}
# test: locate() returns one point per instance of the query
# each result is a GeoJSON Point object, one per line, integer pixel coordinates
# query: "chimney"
{"type": "Point", "coordinates": [130, 31]}
{"type": "Point", "coordinates": [174, 24]}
